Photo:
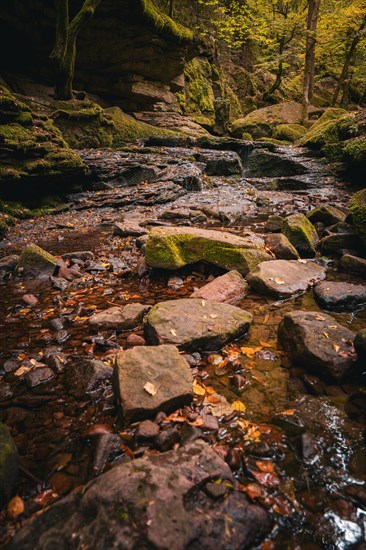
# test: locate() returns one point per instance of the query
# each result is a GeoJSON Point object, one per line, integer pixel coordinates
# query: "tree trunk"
{"type": "Point", "coordinates": [64, 51]}
{"type": "Point", "coordinates": [344, 78]}
{"type": "Point", "coordinates": [171, 8]}
{"type": "Point", "coordinates": [308, 86]}
{"type": "Point", "coordinates": [278, 81]}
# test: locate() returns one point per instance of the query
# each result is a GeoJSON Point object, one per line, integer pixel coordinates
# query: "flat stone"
{"type": "Point", "coordinates": [195, 324]}
{"type": "Point", "coordinates": [285, 278]}
{"type": "Point", "coordinates": [281, 247]}
{"type": "Point", "coordinates": [328, 215]}
{"type": "Point", "coordinates": [151, 379]}
{"type": "Point", "coordinates": [220, 163]}
{"type": "Point", "coordinates": [175, 247]}
{"type": "Point", "coordinates": [163, 491]}
{"type": "Point", "coordinates": [301, 233]}
{"type": "Point", "coordinates": [331, 295]}
{"type": "Point", "coordinates": [317, 342]}
{"type": "Point", "coordinates": [79, 255]}
{"type": "Point", "coordinates": [8, 463]}
{"type": "Point", "coordinates": [353, 264]}
{"type": "Point", "coordinates": [230, 288]}
{"type": "Point", "coordinates": [129, 229]}
{"type": "Point", "coordinates": [39, 376]}
{"type": "Point", "coordinates": [119, 318]}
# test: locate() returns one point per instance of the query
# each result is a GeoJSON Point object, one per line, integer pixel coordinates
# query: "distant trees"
{"type": "Point", "coordinates": [309, 68]}
{"type": "Point", "coordinates": [63, 54]}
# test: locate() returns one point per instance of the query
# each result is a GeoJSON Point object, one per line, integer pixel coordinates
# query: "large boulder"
{"type": "Point", "coordinates": [328, 215]}
{"type": "Point", "coordinates": [331, 295]}
{"type": "Point", "coordinates": [119, 318]}
{"type": "Point", "coordinates": [318, 343]}
{"type": "Point", "coordinates": [158, 501]}
{"type": "Point", "coordinates": [336, 243]}
{"type": "Point", "coordinates": [175, 247]}
{"type": "Point", "coordinates": [230, 288]}
{"type": "Point", "coordinates": [285, 278]}
{"type": "Point", "coordinates": [151, 379]}
{"type": "Point", "coordinates": [195, 324]}
{"type": "Point", "coordinates": [8, 464]}
{"type": "Point", "coordinates": [301, 233]}
{"type": "Point", "coordinates": [358, 212]}
{"type": "Point", "coordinates": [353, 264]}
{"type": "Point", "coordinates": [36, 262]}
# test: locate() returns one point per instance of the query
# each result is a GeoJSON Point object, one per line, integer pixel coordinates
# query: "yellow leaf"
{"type": "Point", "coordinates": [238, 406]}
{"type": "Point", "coordinates": [267, 344]}
{"type": "Point", "coordinates": [198, 390]}
{"type": "Point", "coordinates": [288, 412]}
{"type": "Point", "coordinates": [250, 352]}
{"type": "Point", "coordinates": [15, 507]}
{"type": "Point", "coordinates": [150, 388]}
{"type": "Point", "coordinates": [326, 335]}
{"type": "Point", "coordinates": [173, 332]}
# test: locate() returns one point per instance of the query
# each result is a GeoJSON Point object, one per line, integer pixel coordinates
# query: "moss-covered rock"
{"type": "Point", "coordinates": [301, 233]}
{"type": "Point", "coordinates": [354, 151]}
{"type": "Point", "coordinates": [8, 464]}
{"type": "Point", "coordinates": [358, 212]}
{"type": "Point", "coordinates": [175, 247]}
{"type": "Point", "coordinates": [326, 129]}
{"type": "Point", "coordinates": [328, 215]}
{"type": "Point", "coordinates": [36, 262]}
{"type": "Point", "coordinates": [334, 245]}
{"type": "Point", "coordinates": [289, 132]}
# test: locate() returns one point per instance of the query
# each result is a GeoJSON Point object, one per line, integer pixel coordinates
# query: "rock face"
{"type": "Point", "coordinates": [152, 379]}
{"type": "Point", "coordinates": [317, 342]}
{"type": "Point", "coordinates": [119, 318]}
{"type": "Point", "coordinates": [195, 324]}
{"type": "Point", "coordinates": [281, 247]}
{"type": "Point", "coordinates": [283, 279]}
{"type": "Point", "coordinates": [36, 262]}
{"type": "Point", "coordinates": [327, 215]}
{"type": "Point", "coordinates": [175, 247]}
{"type": "Point", "coordinates": [8, 463]}
{"type": "Point", "coordinates": [340, 295]}
{"type": "Point", "coordinates": [229, 288]}
{"type": "Point", "coordinates": [163, 491]}
{"type": "Point", "coordinates": [301, 233]}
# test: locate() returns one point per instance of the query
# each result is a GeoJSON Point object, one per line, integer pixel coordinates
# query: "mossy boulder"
{"type": "Point", "coordinates": [301, 233]}
{"type": "Point", "coordinates": [8, 464]}
{"type": "Point", "coordinates": [289, 132]}
{"type": "Point", "coordinates": [328, 215]}
{"type": "Point", "coordinates": [354, 151]}
{"type": "Point", "coordinates": [358, 212]}
{"type": "Point", "coordinates": [334, 245]}
{"type": "Point", "coordinates": [175, 247]}
{"type": "Point", "coordinates": [327, 129]}
{"type": "Point", "coordinates": [36, 262]}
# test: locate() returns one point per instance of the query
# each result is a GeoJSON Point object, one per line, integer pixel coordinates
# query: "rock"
{"type": "Point", "coordinates": [281, 247]}
{"type": "Point", "coordinates": [358, 212]}
{"type": "Point", "coordinates": [167, 439]}
{"type": "Point", "coordinates": [353, 264]}
{"type": "Point", "coordinates": [262, 162]}
{"type": "Point", "coordinates": [8, 464]}
{"type": "Point", "coordinates": [338, 296]}
{"type": "Point", "coordinates": [151, 379]}
{"type": "Point", "coordinates": [147, 430]}
{"type": "Point", "coordinates": [301, 233]}
{"type": "Point", "coordinates": [318, 343]}
{"type": "Point", "coordinates": [230, 288]}
{"type": "Point", "coordinates": [79, 255]}
{"type": "Point", "coordinates": [119, 318]}
{"type": "Point", "coordinates": [175, 247]}
{"type": "Point", "coordinates": [332, 245]}
{"type": "Point", "coordinates": [135, 340]}
{"type": "Point", "coordinates": [186, 175]}
{"type": "Point", "coordinates": [36, 262]}
{"type": "Point", "coordinates": [195, 324]}
{"type": "Point", "coordinates": [285, 278]}
{"type": "Point", "coordinates": [328, 215]}
{"type": "Point", "coordinates": [88, 377]}
{"type": "Point", "coordinates": [163, 490]}
{"type": "Point", "coordinates": [360, 344]}
{"type": "Point", "coordinates": [274, 224]}
{"type": "Point", "coordinates": [129, 229]}
{"type": "Point", "coordinates": [39, 376]}
{"type": "Point", "coordinates": [220, 163]}
{"type": "Point", "coordinates": [30, 300]}
{"type": "Point", "coordinates": [8, 264]}
{"type": "Point", "coordinates": [289, 132]}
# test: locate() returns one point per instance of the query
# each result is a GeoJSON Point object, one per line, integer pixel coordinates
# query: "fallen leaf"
{"type": "Point", "coordinates": [336, 348]}
{"type": "Point", "coordinates": [267, 344]}
{"type": "Point", "coordinates": [250, 352]}
{"type": "Point", "coordinates": [150, 388]}
{"type": "Point", "coordinates": [265, 466]}
{"type": "Point", "coordinates": [288, 412]}
{"type": "Point", "coordinates": [173, 332]}
{"type": "Point", "coordinates": [198, 389]}
{"type": "Point", "coordinates": [302, 261]}
{"type": "Point", "coordinates": [15, 507]}
{"type": "Point", "coordinates": [238, 406]}
{"type": "Point", "coordinates": [279, 281]}
{"type": "Point", "coordinates": [326, 335]}
{"type": "Point", "coordinates": [319, 318]}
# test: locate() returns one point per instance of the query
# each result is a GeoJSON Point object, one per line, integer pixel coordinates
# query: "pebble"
{"type": "Point", "coordinates": [135, 340]}
{"type": "Point", "coordinates": [147, 430]}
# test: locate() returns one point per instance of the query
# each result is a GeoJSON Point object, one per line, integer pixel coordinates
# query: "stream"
{"type": "Point", "coordinates": [297, 443]}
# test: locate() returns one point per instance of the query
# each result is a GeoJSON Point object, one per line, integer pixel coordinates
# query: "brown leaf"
{"type": "Point", "coordinates": [15, 508]}
{"type": "Point", "coordinates": [150, 388]}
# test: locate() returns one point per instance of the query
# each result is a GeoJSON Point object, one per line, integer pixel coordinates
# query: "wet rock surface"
{"type": "Point", "coordinates": [335, 296]}
{"type": "Point", "coordinates": [119, 318]}
{"type": "Point", "coordinates": [165, 486]}
{"type": "Point", "coordinates": [196, 324]}
{"type": "Point", "coordinates": [230, 288]}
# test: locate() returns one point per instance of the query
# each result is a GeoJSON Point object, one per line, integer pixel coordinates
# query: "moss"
{"type": "Point", "coordinates": [164, 23]}
{"type": "Point", "coordinates": [247, 136]}
{"type": "Point", "coordinates": [199, 97]}
{"type": "Point", "coordinates": [328, 215]}
{"type": "Point", "coordinates": [274, 141]}
{"type": "Point", "coordinates": [34, 259]}
{"type": "Point", "coordinates": [301, 233]}
{"type": "Point", "coordinates": [333, 126]}
{"type": "Point", "coordinates": [289, 132]}
{"type": "Point", "coordinates": [358, 211]}
{"type": "Point", "coordinates": [354, 150]}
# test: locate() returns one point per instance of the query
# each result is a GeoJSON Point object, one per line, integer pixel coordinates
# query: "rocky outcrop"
{"type": "Point", "coordinates": [175, 247]}
{"type": "Point", "coordinates": [195, 324]}
{"type": "Point", "coordinates": [149, 379]}
{"type": "Point", "coordinates": [161, 491]}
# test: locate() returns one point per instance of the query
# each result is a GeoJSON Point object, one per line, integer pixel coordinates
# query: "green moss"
{"type": "Point", "coordinates": [358, 211]}
{"type": "Point", "coordinates": [163, 23]}
{"type": "Point", "coordinates": [274, 141]}
{"type": "Point", "coordinates": [247, 136]}
{"type": "Point", "coordinates": [34, 259]}
{"type": "Point", "coordinates": [333, 126]}
{"type": "Point", "coordinates": [289, 132]}
{"type": "Point", "coordinates": [354, 150]}
{"type": "Point", "coordinates": [301, 233]}
{"type": "Point", "coordinates": [199, 97]}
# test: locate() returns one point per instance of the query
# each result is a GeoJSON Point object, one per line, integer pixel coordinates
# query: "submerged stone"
{"type": "Point", "coordinates": [175, 247]}
{"type": "Point", "coordinates": [195, 324]}
{"type": "Point", "coordinates": [150, 379]}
